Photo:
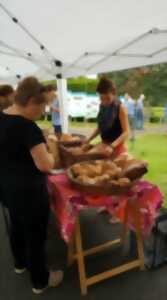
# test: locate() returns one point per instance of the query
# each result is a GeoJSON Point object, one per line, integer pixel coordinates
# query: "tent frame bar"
{"type": "Point", "coordinates": [55, 63]}
{"type": "Point", "coordinates": [21, 54]}
{"type": "Point", "coordinates": [118, 51]}
{"type": "Point", "coordinates": [127, 45]}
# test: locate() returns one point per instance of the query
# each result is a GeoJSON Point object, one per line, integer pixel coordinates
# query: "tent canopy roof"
{"type": "Point", "coordinates": [90, 36]}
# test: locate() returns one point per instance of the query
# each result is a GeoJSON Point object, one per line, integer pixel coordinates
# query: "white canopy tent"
{"type": "Point", "coordinates": [67, 38]}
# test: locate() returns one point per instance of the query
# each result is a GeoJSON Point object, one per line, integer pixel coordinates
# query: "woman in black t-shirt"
{"type": "Point", "coordinates": [24, 162]}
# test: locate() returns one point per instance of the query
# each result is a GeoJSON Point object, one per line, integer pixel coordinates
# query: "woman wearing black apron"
{"type": "Point", "coordinates": [112, 120]}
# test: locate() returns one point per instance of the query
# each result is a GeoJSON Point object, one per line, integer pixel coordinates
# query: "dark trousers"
{"type": "Point", "coordinates": [58, 131]}
{"type": "Point", "coordinates": [27, 238]}
{"type": "Point", "coordinates": [139, 119]}
{"type": "Point", "coordinates": [132, 126]}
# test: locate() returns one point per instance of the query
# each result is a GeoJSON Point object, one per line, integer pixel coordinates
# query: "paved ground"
{"type": "Point", "coordinates": [87, 131]}
{"type": "Point", "coordinates": [134, 285]}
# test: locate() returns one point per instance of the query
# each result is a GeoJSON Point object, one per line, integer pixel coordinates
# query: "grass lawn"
{"type": "Point", "coordinates": [153, 148]}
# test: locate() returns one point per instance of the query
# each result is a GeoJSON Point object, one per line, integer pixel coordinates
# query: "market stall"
{"type": "Point", "coordinates": [134, 201]}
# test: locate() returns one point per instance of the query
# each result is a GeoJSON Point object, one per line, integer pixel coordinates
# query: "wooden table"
{"type": "Point", "coordinates": [79, 254]}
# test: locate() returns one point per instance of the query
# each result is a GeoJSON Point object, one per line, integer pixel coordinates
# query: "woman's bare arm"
{"type": "Point", "coordinates": [93, 135]}
{"type": "Point", "coordinates": [43, 160]}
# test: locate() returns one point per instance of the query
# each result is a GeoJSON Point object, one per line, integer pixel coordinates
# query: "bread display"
{"type": "Point", "coordinates": [106, 176]}
{"type": "Point", "coordinates": [100, 171]}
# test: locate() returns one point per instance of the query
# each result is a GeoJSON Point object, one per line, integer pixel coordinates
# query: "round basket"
{"type": "Point", "coordinates": [102, 189]}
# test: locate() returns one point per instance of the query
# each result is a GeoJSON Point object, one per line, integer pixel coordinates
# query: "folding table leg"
{"type": "Point", "coordinates": [80, 259]}
{"type": "Point", "coordinates": [125, 225]}
{"type": "Point", "coordinates": [70, 255]}
{"type": "Point", "coordinates": [139, 237]}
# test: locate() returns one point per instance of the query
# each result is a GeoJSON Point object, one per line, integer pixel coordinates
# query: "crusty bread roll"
{"type": "Point", "coordinates": [54, 149]}
{"type": "Point", "coordinates": [121, 160]}
{"type": "Point", "coordinates": [124, 181]}
{"type": "Point", "coordinates": [69, 138]}
{"type": "Point", "coordinates": [86, 180]}
{"type": "Point", "coordinates": [102, 179]}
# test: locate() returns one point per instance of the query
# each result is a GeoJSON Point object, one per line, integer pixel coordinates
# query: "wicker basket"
{"type": "Point", "coordinates": [95, 190]}
{"type": "Point", "coordinates": [110, 189]}
{"type": "Point", "coordinates": [69, 158]}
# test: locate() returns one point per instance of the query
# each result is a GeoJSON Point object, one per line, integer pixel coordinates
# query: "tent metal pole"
{"type": "Point", "coordinates": [159, 51]}
{"type": "Point", "coordinates": [63, 102]}
{"type": "Point", "coordinates": [75, 63]}
{"type": "Point", "coordinates": [120, 54]}
{"type": "Point", "coordinates": [55, 63]}
{"type": "Point", "coordinates": [22, 54]}
{"type": "Point", "coordinates": [127, 45]}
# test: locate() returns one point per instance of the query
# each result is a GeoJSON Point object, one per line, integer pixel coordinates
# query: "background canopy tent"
{"type": "Point", "coordinates": [67, 38]}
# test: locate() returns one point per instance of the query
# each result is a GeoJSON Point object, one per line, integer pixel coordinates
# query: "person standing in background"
{"type": "Point", "coordinates": [6, 96]}
{"type": "Point", "coordinates": [140, 113]}
{"type": "Point", "coordinates": [56, 120]}
{"type": "Point", "coordinates": [55, 110]}
{"type": "Point", "coordinates": [130, 106]}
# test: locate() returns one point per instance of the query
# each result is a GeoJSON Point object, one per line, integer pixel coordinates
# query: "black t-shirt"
{"type": "Point", "coordinates": [18, 174]}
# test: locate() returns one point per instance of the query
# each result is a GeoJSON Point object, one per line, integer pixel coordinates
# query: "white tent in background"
{"type": "Point", "coordinates": [67, 38]}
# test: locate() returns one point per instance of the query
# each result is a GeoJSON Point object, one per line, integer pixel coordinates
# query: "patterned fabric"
{"type": "Point", "coordinates": [67, 202]}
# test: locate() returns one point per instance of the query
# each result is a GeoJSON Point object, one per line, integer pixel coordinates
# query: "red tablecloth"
{"type": "Point", "coordinates": [67, 202]}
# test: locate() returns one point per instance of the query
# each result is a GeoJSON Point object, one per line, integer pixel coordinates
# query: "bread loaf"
{"type": "Point", "coordinates": [52, 143]}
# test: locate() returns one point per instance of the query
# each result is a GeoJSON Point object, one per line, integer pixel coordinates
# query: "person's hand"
{"type": "Point", "coordinates": [106, 149]}
{"type": "Point", "coordinates": [113, 145]}
{"type": "Point", "coordinates": [85, 141]}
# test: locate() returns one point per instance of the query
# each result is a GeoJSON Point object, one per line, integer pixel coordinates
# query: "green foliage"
{"type": "Point", "coordinates": [150, 81]}
{"type": "Point", "coordinates": [155, 119]}
{"type": "Point", "coordinates": [82, 84]}
{"type": "Point", "coordinates": [156, 114]}
{"type": "Point", "coordinates": [158, 111]}
{"type": "Point", "coordinates": [52, 82]}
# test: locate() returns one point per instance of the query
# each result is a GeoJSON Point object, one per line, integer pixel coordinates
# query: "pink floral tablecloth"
{"type": "Point", "coordinates": [66, 203]}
